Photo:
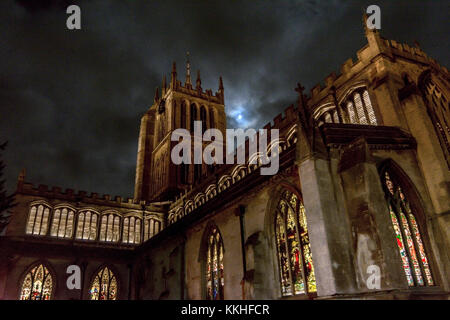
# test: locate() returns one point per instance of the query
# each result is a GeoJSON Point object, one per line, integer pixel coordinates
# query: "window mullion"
{"type": "Point", "coordinates": [44, 277]}
{"type": "Point", "coordinates": [109, 284]}
{"type": "Point", "coordinates": [279, 256]}
{"type": "Point", "coordinates": [218, 267]}
{"type": "Point", "coordinates": [84, 222]}
{"type": "Point", "coordinates": [288, 254]}
{"type": "Point", "coordinates": [405, 239]}
{"type": "Point", "coordinates": [211, 268]}
{"type": "Point", "coordinates": [415, 243]}
{"type": "Point", "coordinates": [59, 222]}
{"type": "Point", "coordinates": [34, 220]}
{"type": "Point", "coordinates": [300, 246]}
{"type": "Point", "coordinates": [364, 106]}
{"type": "Point", "coordinates": [32, 283]}
{"type": "Point", "coordinates": [40, 222]}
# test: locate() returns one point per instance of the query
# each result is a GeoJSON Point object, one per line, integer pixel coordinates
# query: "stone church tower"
{"type": "Point", "coordinates": [157, 178]}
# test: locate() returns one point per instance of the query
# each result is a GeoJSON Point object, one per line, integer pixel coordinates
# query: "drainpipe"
{"type": "Point", "coordinates": [240, 213]}
{"type": "Point", "coordinates": [83, 279]}
{"type": "Point", "coordinates": [130, 269]}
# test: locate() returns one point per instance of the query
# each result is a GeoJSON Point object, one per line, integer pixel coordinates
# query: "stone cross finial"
{"type": "Point", "coordinates": [299, 88]}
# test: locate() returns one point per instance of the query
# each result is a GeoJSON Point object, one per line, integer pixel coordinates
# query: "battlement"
{"type": "Point", "coordinates": [79, 196]}
{"type": "Point", "coordinates": [413, 53]}
{"type": "Point", "coordinates": [379, 46]}
{"type": "Point", "coordinates": [284, 119]}
{"type": "Point", "coordinates": [199, 93]}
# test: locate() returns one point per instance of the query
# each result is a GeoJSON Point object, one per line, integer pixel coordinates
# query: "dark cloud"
{"type": "Point", "coordinates": [71, 100]}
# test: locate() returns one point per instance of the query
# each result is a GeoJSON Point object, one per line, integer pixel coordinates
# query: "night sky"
{"type": "Point", "coordinates": [71, 101]}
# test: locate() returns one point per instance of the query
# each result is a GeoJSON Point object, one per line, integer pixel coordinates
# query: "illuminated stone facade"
{"type": "Point", "coordinates": [363, 185]}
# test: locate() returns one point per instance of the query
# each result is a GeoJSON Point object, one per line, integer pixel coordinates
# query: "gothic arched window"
{"type": "Point", "coordinates": [175, 114]}
{"type": "Point", "coordinates": [38, 219]}
{"type": "Point", "coordinates": [104, 286]}
{"type": "Point", "coordinates": [214, 265]}
{"type": "Point", "coordinates": [62, 224]}
{"type": "Point", "coordinates": [293, 248]}
{"type": "Point", "coordinates": [197, 172]}
{"type": "Point", "coordinates": [409, 239]}
{"type": "Point", "coordinates": [87, 225]}
{"type": "Point", "coordinates": [358, 108]}
{"type": "Point", "coordinates": [110, 228]}
{"type": "Point", "coordinates": [330, 115]}
{"type": "Point", "coordinates": [211, 118]}
{"type": "Point", "coordinates": [183, 115]}
{"type": "Point", "coordinates": [131, 230]}
{"type": "Point", "coordinates": [439, 111]}
{"type": "Point", "coordinates": [184, 173]}
{"type": "Point", "coordinates": [37, 285]}
{"type": "Point", "coordinates": [193, 116]}
{"type": "Point", "coordinates": [203, 119]}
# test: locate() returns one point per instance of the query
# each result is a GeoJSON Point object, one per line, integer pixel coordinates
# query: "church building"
{"type": "Point", "coordinates": [359, 208]}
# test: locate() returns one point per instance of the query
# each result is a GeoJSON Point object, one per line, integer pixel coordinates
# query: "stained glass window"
{"type": "Point", "coordinates": [295, 261]}
{"type": "Point", "coordinates": [408, 237]}
{"type": "Point", "coordinates": [104, 286]}
{"type": "Point", "coordinates": [62, 224]}
{"type": "Point", "coordinates": [37, 284]}
{"type": "Point", "coordinates": [38, 219]}
{"type": "Point", "coordinates": [214, 266]}
{"type": "Point", "coordinates": [87, 225]}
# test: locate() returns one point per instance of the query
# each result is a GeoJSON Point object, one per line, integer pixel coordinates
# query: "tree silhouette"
{"type": "Point", "coordinates": [6, 201]}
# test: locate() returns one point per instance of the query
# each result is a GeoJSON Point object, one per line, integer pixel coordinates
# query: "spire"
{"type": "Point", "coordinates": [302, 108]}
{"type": "Point", "coordinates": [21, 179]}
{"type": "Point", "coordinates": [199, 81]}
{"type": "Point", "coordinates": [373, 36]}
{"type": "Point", "coordinates": [220, 84]}
{"type": "Point", "coordinates": [164, 85]}
{"type": "Point", "coordinates": [156, 95]}
{"type": "Point", "coordinates": [174, 67]}
{"type": "Point", "coordinates": [22, 175]}
{"type": "Point", "coordinates": [417, 44]}
{"type": "Point", "coordinates": [364, 21]}
{"type": "Point", "coordinates": [173, 79]}
{"type": "Point", "coordinates": [220, 93]}
{"type": "Point", "coordinates": [188, 70]}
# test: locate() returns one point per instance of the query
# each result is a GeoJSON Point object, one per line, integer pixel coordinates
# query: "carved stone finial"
{"type": "Point", "coordinates": [199, 81]}
{"type": "Point", "coordinates": [220, 83]}
{"type": "Point", "coordinates": [299, 88]}
{"type": "Point", "coordinates": [188, 70]}
{"type": "Point", "coordinates": [156, 94]}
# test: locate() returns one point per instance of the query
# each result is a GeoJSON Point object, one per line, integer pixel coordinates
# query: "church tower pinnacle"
{"type": "Point", "coordinates": [188, 72]}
